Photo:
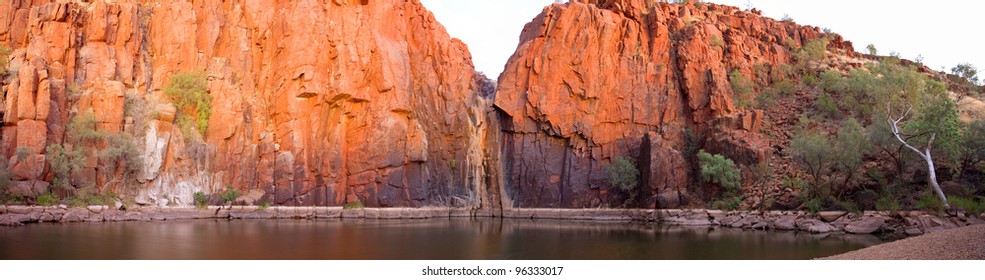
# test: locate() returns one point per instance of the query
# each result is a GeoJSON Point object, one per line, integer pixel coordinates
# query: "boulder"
{"type": "Point", "coordinates": [831, 216]}
{"type": "Point", "coordinates": [866, 225]}
{"type": "Point", "coordinates": [28, 169]}
{"type": "Point", "coordinates": [786, 222]}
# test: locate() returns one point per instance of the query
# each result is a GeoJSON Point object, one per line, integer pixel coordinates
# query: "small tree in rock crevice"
{"type": "Point", "coordinates": [624, 174]}
{"type": "Point", "coordinates": [723, 172]}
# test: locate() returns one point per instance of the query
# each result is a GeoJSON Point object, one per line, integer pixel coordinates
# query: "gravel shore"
{"type": "Point", "coordinates": [965, 243]}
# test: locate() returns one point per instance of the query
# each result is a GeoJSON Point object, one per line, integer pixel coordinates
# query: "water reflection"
{"type": "Point", "coordinates": [411, 239]}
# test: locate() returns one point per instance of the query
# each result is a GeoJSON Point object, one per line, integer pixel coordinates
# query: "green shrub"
{"type": "Point", "coordinates": [827, 107]}
{"type": "Point", "coordinates": [848, 205]}
{"type": "Point", "coordinates": [929, 201]}
{"type": "Point", "coordinates": [264, 205]}
{"type": "Point", "coordinates": [122, 151]}
{"type": "Point", "coordinates": [832, 81]}
{"type": "Point", "coordinates": [230, 195]}
{"type": "Point", "coordinates": [201, 201]}
{"type": "Point", "coordinates": [721, 171]}
{"type": "Point", "coordinates": [972, 146]}
{"type": "Point", "coordinates": [4, 180]}
{"type": "Point", "coordinates": [4, 60]}
{"type": "Point", "coordinates": [63, 163]}
{"type": "Point", "coordinates": [814, 205]}
{"type": "Point", "coordinates": [624, 174]}
{"type": "Point", "coordinates": [82, 129]}
{"type": "Point", "coordinates": [48, 199]}
{"type": "Point", "coordinates": [813, 152]}
{"type": "Point", "coordinates": [89, 196]}
{"type": "Point", "coordinates": [353, 205]}
{"type": "Point", "coordinates": [189, 93]}
{"type": "Point", "coordinates": [887, 203]}
{"type": "Point", "coordinates": [970, 205]}
{"type": "Point", "coordinates": [812, 52]}
{"type": "Point", "coordinates": [809, 80]}
{"type": "Point", "coordinates": [715, 41]}
{"type": "Point", "coordinates": [743, 87]}
{"type": "Point", "coordinates": [727, 204]}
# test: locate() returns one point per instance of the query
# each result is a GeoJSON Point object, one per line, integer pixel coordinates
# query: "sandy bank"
{"type": "Point", "coordinates": [965, 243]}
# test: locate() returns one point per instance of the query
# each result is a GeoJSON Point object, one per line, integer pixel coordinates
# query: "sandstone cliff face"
{"type": "Point", "coordinates": [315, 102]}
{"type": "Point", "coordinates": [591, 78]}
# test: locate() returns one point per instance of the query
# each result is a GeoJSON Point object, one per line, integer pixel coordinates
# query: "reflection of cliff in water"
{"type": "Point", "coordinates": [412, 239]}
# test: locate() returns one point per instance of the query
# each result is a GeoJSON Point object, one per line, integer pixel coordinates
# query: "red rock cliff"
{"type": "Point", "coordinates": [591, 78]}
{"type": "Point", "coordinates": [315, 102]}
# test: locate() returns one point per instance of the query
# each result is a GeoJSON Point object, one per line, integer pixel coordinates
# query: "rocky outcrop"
{"type": "Point", "coordinates": [591, 78]}
{"type": "Point", "coordinates": [314, 102]}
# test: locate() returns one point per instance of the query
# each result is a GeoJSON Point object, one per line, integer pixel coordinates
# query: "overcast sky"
{"type": "Point", "coordinates": [944, 33]}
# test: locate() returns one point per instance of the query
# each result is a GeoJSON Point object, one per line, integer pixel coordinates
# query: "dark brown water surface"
{"type": "Point", "coordinates": [411, 239]}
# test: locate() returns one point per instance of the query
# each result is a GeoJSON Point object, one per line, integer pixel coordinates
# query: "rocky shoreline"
{"type": "Point", "coordinates": [869, 222]}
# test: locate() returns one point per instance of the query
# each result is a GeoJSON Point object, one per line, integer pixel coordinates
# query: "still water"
{"type": "Point", "coordinates": [411, 239]}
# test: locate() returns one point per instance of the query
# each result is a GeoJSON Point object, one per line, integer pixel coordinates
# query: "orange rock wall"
{"type": "Point", "coordinates": [590, 78]}
{"type": "Point", "coordinates": [315, 102]}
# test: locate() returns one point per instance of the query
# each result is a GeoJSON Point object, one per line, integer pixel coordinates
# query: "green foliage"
{"type": "Point", "coordinates": [264, 205]}
{"type": "Point", "coordinates": [188, 92]}
{"type": "Point", "coordinates": [21, 153]}
{"type": "Point", "coordinates": [871, 49]}
{"type": "Point", "coordinates": [82, 129]}
{"type": "Point", "coordinates": [743, 88]}
{"type": "Point", "coordinates": [715, 41]}
{"type": "Point", "coordinates": [929, 201]}
{"type": "Point", "coordinates": [122, 152]}
{"type": "Point", "coordinates": [887, 203]}
{"type": "Point", "coordinates": [826, 106]}
{"type": "Point", "coordinates": [970, 205]}
{"type": "Point", "coordinates": [201, 201]}
{"type": "Point", "coordinates": [811, 53]}
{"type": "Point", "coordinates": [832, 81]}
{"type": "Point", "coordinates": [624, 174]}
{"type": "Point", "coordinates": [353, 205]}
{"type": "Point", "coordinates": [972, 145]}
{"type": "Point", "coordinates": [4, 179]}
{"type": "Point", "coordinates": [47, 199]}
{"type": "Point", "coordinates": [937, 115]}
{"type": "Point", "coordinates": [90, 196]}
{"type": "Point", "coordinates": [809, 80]}
{"type": "Point", "coordinates": [4, 58]}
{"type": "Point", "coordinates": [814, 205]}
{"type": "Point", "coordinates": [230, 195]}
{"type": "Point", "coordinates": [850, 145]}
{"type": "Point", "coordinates": [728, 204]}
{"type": "Point", "coordinates": [721, 171]}
{"type": "Point", "coordinates": [63, 163]}
{"type": "Point", "coordinates": [849, 206]}
{"type": "Point", "coordinates": [812, 151]}
{"type": "Point", "coordinates": [966, 71]}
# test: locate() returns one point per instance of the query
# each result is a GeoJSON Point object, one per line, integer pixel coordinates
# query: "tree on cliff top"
{"type": "Point", "coordinates": [966, 71]}
{"type": "Point", "coordinates": [189, 93]}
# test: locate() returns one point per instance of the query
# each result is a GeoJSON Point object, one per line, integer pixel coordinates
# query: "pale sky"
{"type": "Point", "coordinates": [944, 33]}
